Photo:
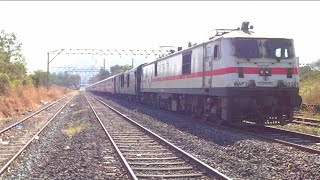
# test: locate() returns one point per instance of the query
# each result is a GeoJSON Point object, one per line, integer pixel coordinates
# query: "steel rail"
{"type": "Point", "coordinates": [31, 115]}
{"type": "Point", "coordinates": [278, 140]}
{"type": "Point", "coordinates": [201, 165]}
{"type": "Point", "coordinates": [306, 121]}
{"type": "Point", "coordinates": [29, 142]}
{"type": "Point", "coordinates": [122, 159]}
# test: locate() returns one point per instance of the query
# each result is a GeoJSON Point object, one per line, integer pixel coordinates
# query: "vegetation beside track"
{"type": "Point", "coordinates": [27, 98]}
{"type": "Point", "coordinates": [302, 128]}
{"type": "Point", "coordinates": [310, 83]}
{"type": "Point", "coordinates": [310, 88]}
{"type": "Point", "coordinates": [20, 91]}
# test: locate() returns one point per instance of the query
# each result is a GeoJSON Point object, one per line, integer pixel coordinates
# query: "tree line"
{"type": "Point", "coordinates": [13, 70]}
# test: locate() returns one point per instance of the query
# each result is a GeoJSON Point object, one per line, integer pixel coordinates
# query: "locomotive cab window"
{"type": "Point", "coordinates": [186, 63]}
{"type": "Point", "coordinates": [279, 48]}
{"type": "Point", "coordinates": [246, 48]}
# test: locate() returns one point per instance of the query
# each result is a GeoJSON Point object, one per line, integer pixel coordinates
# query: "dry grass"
{"type": "Point", "coordinates": [74, 113]}
{"type": "Point", "coordinates": [74, 128]}
{"type": "Point", "coordinates": [310, 114]}
{"type": "Point", "coordinates": [309, 91]}
{"type": "Point", "coordinates": [303, 128]}
{"type": "Point", "coordinates": [27, 97]}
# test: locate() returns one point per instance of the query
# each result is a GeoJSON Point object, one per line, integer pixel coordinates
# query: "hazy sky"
{"type": "Point", "coordinates": [47, 26]}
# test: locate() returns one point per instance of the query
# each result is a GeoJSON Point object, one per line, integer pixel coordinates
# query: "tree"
{"type": "Point", "coordinates": [119, 69]}
{"type": "Point", "coordinates": [39, 78]}
{"type": "Point", "coordinates": [65, 79]}
{"type": "Point", "coordinates": [10, 48]}
{"type": "Point", "coordinates": [103, 74]}
{"type": "Point", "coordinates": [12, 63]}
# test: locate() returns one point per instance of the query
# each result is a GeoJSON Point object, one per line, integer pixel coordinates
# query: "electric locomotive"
{"type": "Point", "coordinates": [237, 75]}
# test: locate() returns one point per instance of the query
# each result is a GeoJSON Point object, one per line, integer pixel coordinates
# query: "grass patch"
{"type": "Point", "coordinates": [316, 116]}
{"type": "Point", "coordinates": [74, 128]}
{"type": "Point", "coordinates": [309, 91]}
{"type": "Point", "coordinates": [310, 114]}
{"type": "Point", "coordinates": [303, 128]}
{"type": "Point", "coordinates": [77, 112]}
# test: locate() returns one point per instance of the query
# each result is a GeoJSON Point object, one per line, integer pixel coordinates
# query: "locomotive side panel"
{"type": "Point", "coordinates": [174, 73]}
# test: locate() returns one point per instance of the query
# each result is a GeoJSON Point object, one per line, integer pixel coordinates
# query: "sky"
{"type": "Point", "coordinates": [46, 26]}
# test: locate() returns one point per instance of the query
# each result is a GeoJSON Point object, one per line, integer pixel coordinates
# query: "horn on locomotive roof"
{"type": "Point", "coordinates": [244, 27]}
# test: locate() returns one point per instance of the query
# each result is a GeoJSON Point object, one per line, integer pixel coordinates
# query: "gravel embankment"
{"type": "Point", "coordinates": [9, 121]}
{"type": "Point", "coordinates": [73, 146]}
{"type": "Point", "coordinates": [234, 154]}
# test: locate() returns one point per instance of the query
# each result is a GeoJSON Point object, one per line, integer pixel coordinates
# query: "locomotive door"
{"type": "Point", "coordinates": [114, 85]}
{"type": "Point", "coordinates": [207, 66]}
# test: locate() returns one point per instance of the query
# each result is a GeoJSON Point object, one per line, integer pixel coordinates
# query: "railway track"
{"type": "Point", "coordinates": [305, 142]}
{"type": "Point", "coordinates": [17, 139]}
{"type": "Point", "coordinates": [145, 154]}
{"type": "Point", "coordinates": [306, 121]}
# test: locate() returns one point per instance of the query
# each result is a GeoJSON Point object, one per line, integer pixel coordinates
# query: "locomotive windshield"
{"type": "Point", "coordinates": [246, 48]}
{"type": "Point", "coordinates": [268, 48]}
{"type": "Point", "coordinates": [278, 48]}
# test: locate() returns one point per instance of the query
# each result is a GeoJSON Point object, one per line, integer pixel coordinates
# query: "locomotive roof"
{"type": "Point", "coordinates": [242, 34]}
{"type": "Point", "coordinates": [232, 34]}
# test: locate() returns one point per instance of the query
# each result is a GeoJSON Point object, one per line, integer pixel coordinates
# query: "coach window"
{"type": "Point", "coordinates": [186, 63]}
{"type": "Point", "coordinates": [216, 53]}
{"type": "Point", "coordinates": [156, 69]}
{"type": "Point", "coordinates": [122, 80]}
{"type": "Point", "coordinates": [128, 79]}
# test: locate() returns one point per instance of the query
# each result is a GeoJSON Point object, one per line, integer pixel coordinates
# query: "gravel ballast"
{"type": "Point", "coordinates": [145, 149]}
{"type": "Point", "coordinates": [235, 154]}
{"type": "Point", "coordinates": [73, 146]}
